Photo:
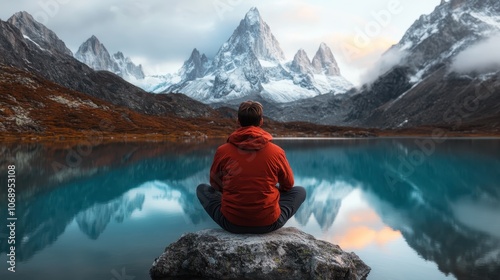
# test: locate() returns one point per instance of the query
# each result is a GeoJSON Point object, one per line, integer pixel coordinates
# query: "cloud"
{"type": "Point", "coordinates": [481, 57]}
{"type": "Point", "coordinates": [386, 62]}
{"type": "Point", "coordinates": [164, 33]}
{"type": "Point", "coordinates": [360, 237]}
{"type": "Point", "coordinates": [364, 228]}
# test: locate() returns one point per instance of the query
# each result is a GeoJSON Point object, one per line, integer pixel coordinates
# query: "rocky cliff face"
{"type": "Point", "coordinates": [195, 67]}
{"type": "Point", "coordinates": [25, 53]}
{"type": "Point", "coordinates": [287, 253]}
{"type": "Point", "coordinates": [301, 63]}
{"type": "Point", "coordinates": [39, 34]}
{"type": "Point", "coordinates": [324, 62]}
{"type": "Point", "coordinates": [93, 53]}
{"type": "Point", "coordinates": [125, 68]}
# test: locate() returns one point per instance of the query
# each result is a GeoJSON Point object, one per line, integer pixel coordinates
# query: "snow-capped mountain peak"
{"type": "Point", "coordinates": [195, 67]}
{"type": "Point", "coordinates": [251, 62]}
{"type": "Point", "coordinates": [324, 62]}
{"type": "Point", "coordinates": [253, 16]}
{"type": "Point", "coordinates": [451, 28]}
{"type": "Point", "coordinates": [93, 53]}
{"type": "Point", "coordinates": [253, 35]}
{"type": "Point", "coordinates": [301, 63]}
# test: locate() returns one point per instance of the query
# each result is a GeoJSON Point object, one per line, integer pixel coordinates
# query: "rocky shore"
{"type": "Point", "coordinates": [287, 253]}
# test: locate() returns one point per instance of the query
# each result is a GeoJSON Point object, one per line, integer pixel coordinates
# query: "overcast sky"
{"type": "Point", "coordinates": [160, 34]}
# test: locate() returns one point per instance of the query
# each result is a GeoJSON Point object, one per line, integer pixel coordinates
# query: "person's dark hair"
{"type": "Point", "coordinates": [250, 113]}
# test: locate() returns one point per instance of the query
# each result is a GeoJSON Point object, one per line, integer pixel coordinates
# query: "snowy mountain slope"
{"type": "Point", "coordinates": [434, 94]}
{"type": "Point", "coordinates": [93, 53]}
{"type": "Point", "coordinates": [451, 28]}
{"type": "Point", "coordinates": [421, 88]}
{"type": "Point", "coordinates": [252, 62]}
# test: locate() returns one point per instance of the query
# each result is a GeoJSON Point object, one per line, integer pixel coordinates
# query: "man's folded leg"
{"type": "Point", "coordinates": [211, 200]}
{"type": "Point", "coordinates": [290, 202]}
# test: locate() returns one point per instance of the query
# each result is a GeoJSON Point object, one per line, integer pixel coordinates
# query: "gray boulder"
{"type": "Point", "coordinates": [287, 253]}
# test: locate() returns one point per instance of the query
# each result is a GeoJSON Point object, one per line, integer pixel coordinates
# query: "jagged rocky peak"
{"type": "Point", "coordinates": [93, 53]}
{"type": "Point", "coordinates": [195, 67]}
{"type": "Point", "coordinates": [38, 33]}
{"type": "Point", "coordinates": [253, 16]}
{"type": "Point", "coordinates": [324, 62]}
{"type": "Point", "coordinates": [119, 56]}
{"type": "Point", "coordinates": [253, 35]}
{"type": "Point", "coordinates": [251, 62]}
{"type": "Point", "coordinates": [301, 63]}
{"type": "Point", "coordinates": [455, 4]}
{"type": "Point", "coordinates": [125, 67]}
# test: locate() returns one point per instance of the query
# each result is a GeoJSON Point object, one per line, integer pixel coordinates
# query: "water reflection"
{"type": "Point", "coordinates": [360, 193]}
{"type": "Point", "coordinates": [93, 221]}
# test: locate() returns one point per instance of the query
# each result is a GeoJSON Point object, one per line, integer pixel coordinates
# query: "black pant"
{"type": "Point", "coordinates": [211, 200]}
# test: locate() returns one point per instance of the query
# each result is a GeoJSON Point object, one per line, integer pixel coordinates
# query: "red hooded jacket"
{"type": "Point", "coordinates": [246, 170]}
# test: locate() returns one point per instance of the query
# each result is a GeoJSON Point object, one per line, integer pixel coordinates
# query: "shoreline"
{"type": "Point", "coordinates": [157, 138]}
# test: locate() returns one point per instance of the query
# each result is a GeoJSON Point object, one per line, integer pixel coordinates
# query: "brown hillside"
{"type": "Point", "coordinates": [32, 108]}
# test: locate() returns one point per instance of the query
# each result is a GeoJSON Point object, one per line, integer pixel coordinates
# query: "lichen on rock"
{"type": "Point", "coordinates": [287, 253]}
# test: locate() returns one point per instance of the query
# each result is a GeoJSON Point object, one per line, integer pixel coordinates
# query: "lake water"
{"type": "Point", "coordinates": [410, 208]}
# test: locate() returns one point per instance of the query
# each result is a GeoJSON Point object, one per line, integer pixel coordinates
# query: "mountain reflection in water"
{"type": "Point", "coordinates": [362, 195]}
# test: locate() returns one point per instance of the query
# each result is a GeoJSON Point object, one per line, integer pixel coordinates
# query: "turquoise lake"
{"type": "Point", "coordinates": [410, 208]}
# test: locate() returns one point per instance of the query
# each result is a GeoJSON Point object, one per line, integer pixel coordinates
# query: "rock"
{"type": "Point", "coordinates": [287, 253]}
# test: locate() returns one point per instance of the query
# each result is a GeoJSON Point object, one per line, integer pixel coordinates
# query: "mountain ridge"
{"type": "Point", "coordinates": [63, 69]}
{"type": "Point", "coordinates": [93, 53]}
{"type": "Point", "coordinates": [38, 33]}
{"type": "Point", "coordinates": [422, 88]}
{"type": "Point", "coordinates": [252, 62]}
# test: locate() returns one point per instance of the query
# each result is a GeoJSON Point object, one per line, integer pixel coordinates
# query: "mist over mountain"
{"type": "Point", "coordinates": [429, 78]}
{"type": "Point", "coordinates": [415, 82]}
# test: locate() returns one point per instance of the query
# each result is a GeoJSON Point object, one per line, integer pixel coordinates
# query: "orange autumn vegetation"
{"type": "Point", "coordinates": [33, 108]}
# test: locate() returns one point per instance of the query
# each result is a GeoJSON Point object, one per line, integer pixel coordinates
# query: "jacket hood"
{"type": "Point", "coordinates": [250, 138]}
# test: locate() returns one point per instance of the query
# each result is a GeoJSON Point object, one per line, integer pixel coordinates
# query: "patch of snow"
{"type": "Point", "coordinates": [403, 123]}
{"type": "Point", "coordinates": [156, 83]}
{"type": "Point", "coordinates": [406, 46]}
{"type": "Point", "coordinates": [267, 64]}
{"type": "Point", "coordinates": [200, 89]}
{"type": "Point", "coordinates": [36, 44]}
{"type": "Point", "coordinates": [334, 84]}
{"type": "Point", "coordinates": [493, 21]}
{"type": "Point", "coordinates": [285, 91]}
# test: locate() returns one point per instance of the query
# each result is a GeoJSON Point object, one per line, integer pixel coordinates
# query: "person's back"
{"type": "Point", "coordinates": [244, 196]}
